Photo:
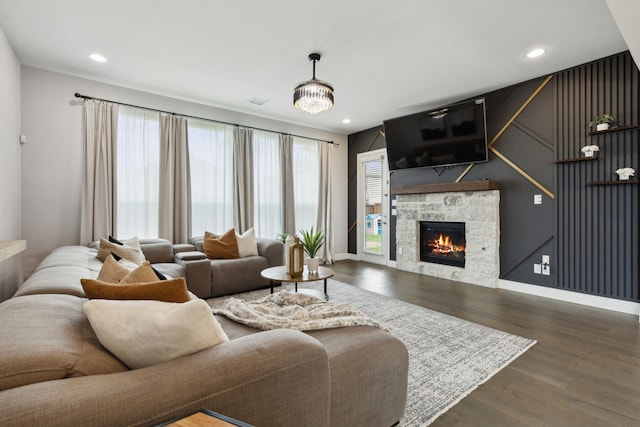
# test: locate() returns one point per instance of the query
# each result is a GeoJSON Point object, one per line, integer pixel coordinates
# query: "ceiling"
{"type": "Point", "coordinates": [384, 60]}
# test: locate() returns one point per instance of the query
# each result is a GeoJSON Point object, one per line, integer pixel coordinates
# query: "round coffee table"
{"type": "Point", "coordinates": [279, 274]}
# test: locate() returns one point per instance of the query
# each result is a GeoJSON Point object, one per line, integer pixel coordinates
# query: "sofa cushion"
{"type": "Point", "coordinates": [143, 333]}
{"type": "Point", "coordinates": [174, 290]}
{"type": "Point", "coordinates": [50, 338]}
{"type": "Point", "coordinates": [130, 250]}
{"type": "Point", "coordinates": [247, 245]}
{"type": "Point", "coordinates": [221, 247]}
{"type": "Point", "coordinates": [157, 250]}
{"type": "Point", "coordinates": [143, 273]}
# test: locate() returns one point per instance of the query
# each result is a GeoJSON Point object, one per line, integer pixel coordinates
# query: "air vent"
{"type": "Point", "coordinates": [257, 101]}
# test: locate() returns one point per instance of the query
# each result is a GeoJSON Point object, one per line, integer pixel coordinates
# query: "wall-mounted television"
{"type": "Point", "coordinates": [445, 136]}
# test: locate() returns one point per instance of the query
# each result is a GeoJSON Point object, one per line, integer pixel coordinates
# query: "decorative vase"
{"type": "Point", "coordinates": [296, 258]}
{"type": "Point", "coordinates": [313, 264]}
{"type": "Point", "coordinates": [602, 126]}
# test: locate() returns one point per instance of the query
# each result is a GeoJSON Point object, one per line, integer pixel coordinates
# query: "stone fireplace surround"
{"type": "Point", "coordinates": [476, 203]}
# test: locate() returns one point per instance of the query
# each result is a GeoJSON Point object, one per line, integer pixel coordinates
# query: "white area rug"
{"type": "Point", "coordinates": [448, 357]}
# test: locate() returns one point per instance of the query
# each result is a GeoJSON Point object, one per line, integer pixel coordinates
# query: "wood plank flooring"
{"type": "Point", "coordinates": [584, 370]}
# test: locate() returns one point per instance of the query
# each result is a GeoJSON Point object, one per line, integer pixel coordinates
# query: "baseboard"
{"type": "Point", "coordinates": [612, 304]}
{"type": "Point", "coordinates": [346, 256]}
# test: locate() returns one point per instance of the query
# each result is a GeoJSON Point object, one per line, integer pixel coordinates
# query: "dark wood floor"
{"type": "Point", "coordinates": [584, 370]}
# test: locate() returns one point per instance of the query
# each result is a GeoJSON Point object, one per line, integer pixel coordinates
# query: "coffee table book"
{"type": "Point", "coordinates": [205, 418]}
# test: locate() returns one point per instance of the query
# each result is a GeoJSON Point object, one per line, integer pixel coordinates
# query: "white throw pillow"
{"type": "Point", "coordinates": [143, 333]}
{"type": "Point", "coordinates": [247, 245]}
{"type": "Point", "coordinates": [129, 250]}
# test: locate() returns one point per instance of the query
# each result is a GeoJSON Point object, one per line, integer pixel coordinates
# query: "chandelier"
{"type": "Point", "coordinates": [313, 96]}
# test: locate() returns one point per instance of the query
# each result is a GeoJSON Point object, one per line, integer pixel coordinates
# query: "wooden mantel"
{"type": "Point", "coordinates": [9, 248]}
{"type": "Point", "coordinates": [481, 185]}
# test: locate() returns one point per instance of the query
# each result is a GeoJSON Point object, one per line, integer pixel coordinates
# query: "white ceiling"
{"type": "Point", "coordinates": [383, 59]}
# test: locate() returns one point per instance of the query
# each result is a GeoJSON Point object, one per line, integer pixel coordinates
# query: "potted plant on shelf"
{"type": "Point", "coordinates": [590, 150]}
{"type": "Point", "coordinates": [602, 121]}
{"type": "Point", "coordinates": [312, 240]}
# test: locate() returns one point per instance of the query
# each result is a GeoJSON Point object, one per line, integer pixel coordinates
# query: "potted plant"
{"type": "Point", "coordinates": [590, 150]}
{"type": "Point", "coordinates": [312, 241]}
{"type": "Point", "coordinates": [602, 121]}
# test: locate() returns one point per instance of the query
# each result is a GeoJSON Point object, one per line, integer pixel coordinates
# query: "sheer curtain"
{"type": "Point", "coordinates": [306, 179]}
{"type": "Point", "coordinates": [138, 173]}
{"type": "Point", "coordinates": [98, 215]}
{"type": "Point", "coordinates": [211, 160]}
{"type": "Point", "coordinates": [175, 188]}
{"type": "Point", "coordinates": [267, 184]}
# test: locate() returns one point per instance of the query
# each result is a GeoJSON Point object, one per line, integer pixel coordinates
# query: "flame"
{"type": "Point", "coordinates": [443, 245]}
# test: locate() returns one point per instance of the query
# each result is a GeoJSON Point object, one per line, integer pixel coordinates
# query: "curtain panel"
{"type": "Point", "coordinates": [98, 215]}
{"type": "Point", "coordinates": [243, 179]}
{"type": "Point", "coordinates": [325, 221]}
{"type": "Point", "coordinates": [174, 218]}
{"type": "Point", "coordinates": [286, 180]}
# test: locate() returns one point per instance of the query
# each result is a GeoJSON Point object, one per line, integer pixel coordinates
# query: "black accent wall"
{"type": "Point", "coordinates": [590, 232]}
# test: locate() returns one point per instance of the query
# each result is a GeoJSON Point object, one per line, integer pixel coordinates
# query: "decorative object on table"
{"type": "Point", "coordinates": [288, 240]}
{"type": "Point", "coordinates": [602, 121]}
{"type": "Point", "coordinates": [313, 96]}
{"type": "Point", "coordinates": [590, 150]}
{"type": "Point", "coordinates": [312, 241]}
{"type": "Point", "coordinates": [625, 173]}
{"type": "Point", "coordinates": [295, 258]}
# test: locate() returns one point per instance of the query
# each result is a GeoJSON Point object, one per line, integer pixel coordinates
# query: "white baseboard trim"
{"type": "Point", "coordinates": [620, 306]}
{"type": "Point", "coordinates": [349, 256]}
{"type": "Point", "coordinates": [391, 264]}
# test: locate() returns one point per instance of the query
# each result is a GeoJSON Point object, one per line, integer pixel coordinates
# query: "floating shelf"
{"type": "Point", "coordinates": [631, 181]}
{"type": "Point", "coordinates": [612, 130]}
{"type": "Point", "coordinates": [579, 159]}
{"type": "Point", "coordinates": [9, 248]}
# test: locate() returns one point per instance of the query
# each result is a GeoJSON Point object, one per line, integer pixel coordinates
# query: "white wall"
{"type": "Point", "coordinates": [10, 270]}
{"type": "Point", "coordinates": [52, 158]}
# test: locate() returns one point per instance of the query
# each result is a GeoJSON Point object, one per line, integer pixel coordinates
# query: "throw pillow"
{"type": "Point", "coordinates": [141, 274]}
{"type": "Point", "coordinates": [143, 333]}
{"type": "Point", "coordinates": [114, 240]}
{"type": "Point", "coordinates": [130, 250]}
{"type": "Point", "coordinates": [112, 271]}
{"type": "Point", "coordinates": [221, 247]}
{"type": "Point", "coordinates": [174, 290]}
{"type": "Point", "coordinates": [247, 245]}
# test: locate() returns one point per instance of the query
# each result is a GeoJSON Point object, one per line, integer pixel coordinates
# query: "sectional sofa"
{"type": "Point", "coordinates": [54, 371]}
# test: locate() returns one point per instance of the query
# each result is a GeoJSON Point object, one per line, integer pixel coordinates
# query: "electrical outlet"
{"type": "Point", "coordinates": [537, 199]}
{"type": "Point", "coordinates": [399, 251]}
{"type": "Point", "coordinates": [537, 268]}
{"type": "Point", "coordinates": [546, 269]}
{"type": "Point", "coordinates": [545, 259]}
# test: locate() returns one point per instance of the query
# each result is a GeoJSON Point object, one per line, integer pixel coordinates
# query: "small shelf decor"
{"type": "Point", "coordinates": [590, 150]}
{"type": "Point", "coordinates": [625, 173]}
{"type": "Point", "coordinates": [602, 121]}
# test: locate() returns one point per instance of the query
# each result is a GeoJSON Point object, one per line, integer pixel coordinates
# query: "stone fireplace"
{"type": "Point", "coordinates": [468, 212]}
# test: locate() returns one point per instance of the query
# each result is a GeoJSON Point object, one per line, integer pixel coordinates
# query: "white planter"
{"type": "Point", "coordinates": [313, 264]}
{"type": "Point", "coordinates": [589, 153]}
{"type": "Point", "coordinates": [602, 126]}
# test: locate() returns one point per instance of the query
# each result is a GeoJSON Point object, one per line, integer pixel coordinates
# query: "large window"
{"type": "Point", "coordinates": [211, 164]}
{"type": "Point", "coordinates": [138, 160]}
{"type": "Point", "coordinates": [267, 191]}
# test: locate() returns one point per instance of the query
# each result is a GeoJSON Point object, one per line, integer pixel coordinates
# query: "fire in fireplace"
{"type": "Point", "coordinates": [442, 242]}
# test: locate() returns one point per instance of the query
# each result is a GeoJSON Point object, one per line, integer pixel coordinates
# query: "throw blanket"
{"type": "Point", "coordinates": [288, 310]}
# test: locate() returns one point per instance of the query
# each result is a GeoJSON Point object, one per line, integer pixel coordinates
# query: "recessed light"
{"type": "Point", "coordinates": [535, 53]}
{"type": "Point", "coordinates": [97, 57]}
{"type": "Point", "coordinates": [257, 101]}
{"type": "Point", "coordinates": [346, 121]}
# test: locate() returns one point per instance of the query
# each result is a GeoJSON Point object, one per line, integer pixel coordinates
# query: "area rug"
{"type": "Point", "coordinates": [448, 357]}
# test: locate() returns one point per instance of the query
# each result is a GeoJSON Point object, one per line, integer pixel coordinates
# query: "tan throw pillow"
{"type": "Point", "coordinates": [174, 290]}
{"type": "Point", "coordinates": [143, 333]}
{"type": "Point", "coordinates": [221, 247]}
{"type": "Point", "coordinates": [112, 271]}
{"type": "Point", "coordinates": [141, 274]}
{"type": "Point", "coordinates": [247, 245]}
{"type": "Point", "coordinates": [130, 250]}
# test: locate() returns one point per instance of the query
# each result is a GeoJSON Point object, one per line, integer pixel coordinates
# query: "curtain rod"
{"type": "Point", "coordinates": [77, 95]}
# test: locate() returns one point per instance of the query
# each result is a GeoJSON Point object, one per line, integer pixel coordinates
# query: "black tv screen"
{"type": "Point", "coordinates": [446, 136]}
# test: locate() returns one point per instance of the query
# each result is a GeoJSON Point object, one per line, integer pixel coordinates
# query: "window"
{"type": "Point", "coordinates": [211, 164]}
{"type": "Point", "coordinates": [306, 182]}
{"type": "Point", "coordinates": [137, 182]}
{"type": "Point", "coordinates": [267, 184]}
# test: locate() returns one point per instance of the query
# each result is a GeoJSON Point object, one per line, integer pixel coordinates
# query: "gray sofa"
{"type": "Point", "coordinates": [53, 370]}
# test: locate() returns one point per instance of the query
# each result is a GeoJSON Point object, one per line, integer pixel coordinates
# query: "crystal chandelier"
{"type": "Point", "coordinates": [313, 96]}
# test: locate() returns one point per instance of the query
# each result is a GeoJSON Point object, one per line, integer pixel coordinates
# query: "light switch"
{"type": "Point", "coordinates": [537, 199]}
